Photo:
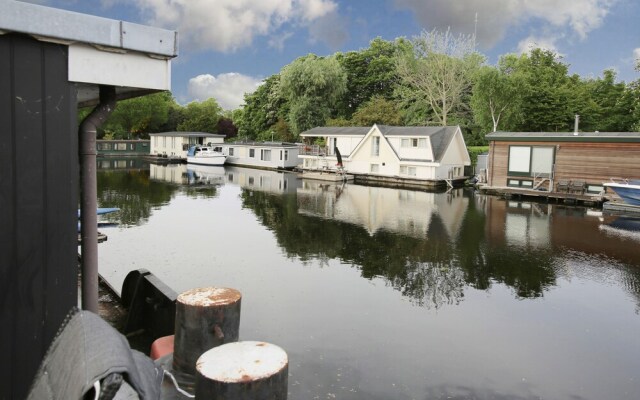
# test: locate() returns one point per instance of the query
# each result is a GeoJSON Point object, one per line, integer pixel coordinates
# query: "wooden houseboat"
{"type": "Point", "coordinates": [269, 155]}
{"type": "Point", "coordinates": [572, 165]}
{"type": "Point", "coordinates": [409, 156]}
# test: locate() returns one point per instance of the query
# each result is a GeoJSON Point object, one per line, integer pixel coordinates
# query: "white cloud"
{"type": "Point", "coordinates": [532, 42]}
{"type": "Point", "coordinates": [228, 89]}
{"type": "Point", "coordinates": [495, 17]}
{"type": "Point", "coordinates": [227, 25]}
{"type": "Point", "coordinates": [636, 54]}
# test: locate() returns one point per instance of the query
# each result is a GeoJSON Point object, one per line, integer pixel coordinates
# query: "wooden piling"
{"type": "Point", "coordinates": [205, 318]}
{"type": "Point", "coordinates": [242, 370]}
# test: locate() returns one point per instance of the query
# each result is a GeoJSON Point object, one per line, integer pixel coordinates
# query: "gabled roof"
{"type": "Point", "coordinates": [188, 134]}
{"type": "Point", "coordinates": [601, 137]}
{"type": "Point", "coordinates": [440, 136]}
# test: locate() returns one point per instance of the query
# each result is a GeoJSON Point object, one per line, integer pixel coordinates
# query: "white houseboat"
{"type": "Point", "coordinates": [269, 155]}
{"type": "Point", "coordinates": [411, 155]}
{"type": "Point", "coordinates": [176, 144]}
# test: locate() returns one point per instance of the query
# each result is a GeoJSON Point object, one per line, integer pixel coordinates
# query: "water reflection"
{"type": "Point", "coordinates": [381, 293]}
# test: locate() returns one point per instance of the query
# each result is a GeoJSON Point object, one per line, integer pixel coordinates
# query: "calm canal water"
{"type": "Point", "coordinates": [379, 293]}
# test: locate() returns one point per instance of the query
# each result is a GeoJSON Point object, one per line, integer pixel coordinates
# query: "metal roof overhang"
{"type": "Point", "coordinates": [135, 59]}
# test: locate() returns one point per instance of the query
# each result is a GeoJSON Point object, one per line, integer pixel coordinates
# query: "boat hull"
{"type": "Point", "coordinates": [208, 160]}
{"type": "Point", "coordinates": [629, 193]}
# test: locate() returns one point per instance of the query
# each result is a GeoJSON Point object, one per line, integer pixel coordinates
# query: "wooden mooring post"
{"type": "Point", "coordinates": [205, 318]}
{"type": "Point", "coordinates": [242, 370]}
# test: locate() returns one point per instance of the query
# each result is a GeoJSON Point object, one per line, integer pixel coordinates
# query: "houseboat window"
{"type": "Point", "coordinates": [280, 155]}
{"type": "Point", "coordinates": [422, 142]}
{"type": "Point", "coordinates": [252, 153]}
{"type": "Point", "coordinates": [145, 144]}
{"type": "Point", "coordinates": [375, 146]}
{"type": "Point", "coordinates": [405, 170]}
{"type": "Point", "coordinates": [131, 146]}
{"type": "Point", "coordinates": [121, 146]}
{"type": "Point", "coordinates": [531, 161]}
{"type": "Point", "coordinates": [230, 151]}
{"type": "Point", "coordinates": [164, 141]}
{"type": "Point", "coordinates": [286, 155]}
{"type": "Point", "coordinates": [375, 168]}
{"type": "Point", "coordinates": [265, 155]}
{"type": "Point", "coordinates": [185, 147]}
{"type": "Point", "coordinates": [251, 180]}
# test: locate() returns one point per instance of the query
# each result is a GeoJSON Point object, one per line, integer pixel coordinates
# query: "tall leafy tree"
{"type": "Point", "coordinates": [201, 117]}
{"type": "Point", "coordinates": [545, 87]}
{"type": "Point", "coordinates": [135, 118]}
{"type": "Point", "coordinates": [370, 72]}
{"type": "Point", "coordinates": [494, 99]}
{"type": "Point", "coordinates": [312, 86]}
{"type": "Point", "coordinates": [262, 109]}
{"type": "Point", "coordinates": [440, 68]}
{"type": "Point", "coordinates": [377, 110]}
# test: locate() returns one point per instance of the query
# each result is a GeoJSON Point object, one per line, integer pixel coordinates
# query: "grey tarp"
{"type": "Point", "coordinates": [87, 349]}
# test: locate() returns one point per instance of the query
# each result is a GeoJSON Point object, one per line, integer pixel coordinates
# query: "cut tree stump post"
{"type": "Point", "coordinates": [205, 318]}
{"type": "Point", "coordinates": [242, 371]}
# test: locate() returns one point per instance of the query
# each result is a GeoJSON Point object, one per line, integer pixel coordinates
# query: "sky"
{"type": "Point", "coordinates": [227, 47]}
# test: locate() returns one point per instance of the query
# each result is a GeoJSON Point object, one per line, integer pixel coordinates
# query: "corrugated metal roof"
{"type": "Point", "coordinates": [566, 136]}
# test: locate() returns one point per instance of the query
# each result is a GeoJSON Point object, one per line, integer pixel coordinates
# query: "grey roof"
{"type": "Point", "coordinates": [567, 136]}
{"type": "Point", "coordinates": [62, 25]}
{"type": "Point", "coordinates": [337, 131]}
{"type": "Point", "coordinates": [188, 134]}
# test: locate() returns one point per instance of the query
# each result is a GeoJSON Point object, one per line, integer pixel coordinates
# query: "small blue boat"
{"type": "Point", "coordinates": [628, 190]}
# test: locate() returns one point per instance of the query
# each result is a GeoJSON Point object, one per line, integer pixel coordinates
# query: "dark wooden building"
{"type": "Point", "coordinates": [546, 161]}
{"type": "Point", "coordinates": [52, 62]}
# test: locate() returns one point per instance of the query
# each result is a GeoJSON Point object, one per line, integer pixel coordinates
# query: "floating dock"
{"type": "Point", "coordinates": [326, 176]}
{"type": "Point", "coordinates": [576, 198]}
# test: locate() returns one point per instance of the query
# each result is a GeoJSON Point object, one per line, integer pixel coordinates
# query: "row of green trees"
{"type": "Point", "coordinates": [434, 79]}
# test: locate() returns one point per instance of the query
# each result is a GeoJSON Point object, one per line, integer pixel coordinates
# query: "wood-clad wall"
{"type": "Point", "coordinates": [38, 204]}
{"type": "Point", "coordinates": [591, 161]}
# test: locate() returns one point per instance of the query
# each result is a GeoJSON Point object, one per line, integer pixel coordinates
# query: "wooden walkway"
{"type": "Point", "coordinates": [564, 197]}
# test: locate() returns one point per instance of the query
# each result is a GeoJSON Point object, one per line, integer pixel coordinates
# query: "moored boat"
{"type": "Point", "coordinates": [205, 155]}
{"type": "Point", "coordinates": [628, 190]}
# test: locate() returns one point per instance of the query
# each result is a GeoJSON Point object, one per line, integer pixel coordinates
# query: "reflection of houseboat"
{"type": "Point", "coordinates": [123, 147]}
{"type": "Point", "coordinates": [205, 174]}
{"type": "Point", "coordinates": [408, 212]}
{"type": "Point", "coordinates": [271, 155]}
{"type": "Point", "coordinates": [262, 180]}
{"type": "Point", "coordinates": [410, 156]}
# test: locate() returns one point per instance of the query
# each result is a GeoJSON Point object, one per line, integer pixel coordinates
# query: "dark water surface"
{"type": "Point", "coordinates": [379, 293]}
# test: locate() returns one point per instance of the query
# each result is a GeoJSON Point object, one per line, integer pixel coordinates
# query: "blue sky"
{"type": "Point", "coordinates": [228, 46]}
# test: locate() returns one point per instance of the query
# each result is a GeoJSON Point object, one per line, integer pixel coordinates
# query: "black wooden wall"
{"type": "Point", "coordinates": [38, 204]}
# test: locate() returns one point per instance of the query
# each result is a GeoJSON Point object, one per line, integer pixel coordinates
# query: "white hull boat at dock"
{"type": "Point", "coordinates": [205, 155]}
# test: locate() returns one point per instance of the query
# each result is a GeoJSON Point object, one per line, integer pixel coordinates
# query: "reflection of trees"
{"type": "Point", "coordinates": [431, 272]}
{"type": "Point", "coordinates": [133, 192]}
{"type": "Point", "coordinates": [420, 269]}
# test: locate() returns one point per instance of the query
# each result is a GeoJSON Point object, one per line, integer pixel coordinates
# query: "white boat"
{"type": "Point", "coordinates": [628, 190]}
{"type": "Point", "coordinates": [205, 155]}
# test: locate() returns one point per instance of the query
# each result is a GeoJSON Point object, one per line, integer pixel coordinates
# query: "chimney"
{"type": "Point", "coordinates": [575, 126]}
